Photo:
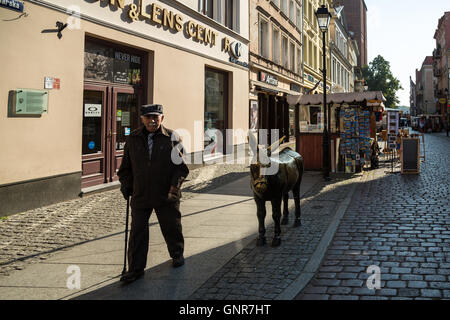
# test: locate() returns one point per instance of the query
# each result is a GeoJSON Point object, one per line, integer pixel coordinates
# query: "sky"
{"type": "Point", "coordinates": [402, 32]}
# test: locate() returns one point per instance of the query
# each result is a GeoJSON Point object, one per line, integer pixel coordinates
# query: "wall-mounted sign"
{"type": "Point", "coordinates": [235, 51]}
{"type": "Point", "coordinates": [295, 87]}
{"type": "Point", "coordinates": [12, 4]}
{"type": "Point", "coordinates": [268, 78]}
{"type": "Point", "coordinates": [92, 110]}
{"type": "Point", "coordinates": [309, 77]}
{"type": "Point", "coordinates": [442, 100]}
{"type": "Point", "coordinates": [51, 83]}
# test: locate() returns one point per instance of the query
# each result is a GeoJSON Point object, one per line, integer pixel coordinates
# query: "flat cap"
{"type": "Point", "coordinates": [151, 109]}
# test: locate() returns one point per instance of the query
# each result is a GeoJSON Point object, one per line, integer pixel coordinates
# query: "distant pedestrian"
{"type": "Point", "coordinates": [152, 172]}
{"type": "Point", "coordinates": [421, 125]}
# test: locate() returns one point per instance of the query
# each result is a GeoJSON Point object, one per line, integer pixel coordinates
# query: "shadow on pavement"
{"type": "Point", "coordinates": [163, 282]}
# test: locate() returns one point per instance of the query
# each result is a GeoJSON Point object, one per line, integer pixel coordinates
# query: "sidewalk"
{"type": "Point", "coordinates": [219, 226]}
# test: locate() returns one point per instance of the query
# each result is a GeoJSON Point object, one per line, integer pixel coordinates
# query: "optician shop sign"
{"type": "Point", "coordinates": [175, 22]}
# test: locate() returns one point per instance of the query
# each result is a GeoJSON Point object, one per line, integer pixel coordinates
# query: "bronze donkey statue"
{"type": "Point", "coordinates": [275, 188]}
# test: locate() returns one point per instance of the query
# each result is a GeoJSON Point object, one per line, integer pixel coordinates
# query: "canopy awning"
{"type": "Point", "coordinates": [337, 98]}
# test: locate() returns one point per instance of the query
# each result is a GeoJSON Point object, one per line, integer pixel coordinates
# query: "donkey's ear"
{"type": "Point", "coordinates": [252, 141]}
{"type": "Point", "coordinates": [253, 144]}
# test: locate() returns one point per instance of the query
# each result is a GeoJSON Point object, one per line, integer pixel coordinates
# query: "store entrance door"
{"type": "Point", "coordinates": [110, 113]}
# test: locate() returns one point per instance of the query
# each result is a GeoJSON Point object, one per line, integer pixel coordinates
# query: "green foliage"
{"type": "Point", "coordinates": [379, 77]}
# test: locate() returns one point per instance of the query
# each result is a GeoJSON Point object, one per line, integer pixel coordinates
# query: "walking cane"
{"type": "Point", "coordinates": [126, 238]}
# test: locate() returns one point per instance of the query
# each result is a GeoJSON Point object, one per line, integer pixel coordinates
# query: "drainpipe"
{"type": "Point", "coordinates": [303, 46]}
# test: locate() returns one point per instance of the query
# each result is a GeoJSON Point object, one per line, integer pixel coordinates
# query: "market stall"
{"type": "Point", "coordinates": [430, 123]}
{"type": "Point", "coordinates": [351, 123]}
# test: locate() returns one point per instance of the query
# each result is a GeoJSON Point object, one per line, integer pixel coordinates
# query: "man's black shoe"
{"type": "Point", "coordinates": [177, 262]}
{"type": "Point", "coordinates": [131, 276]}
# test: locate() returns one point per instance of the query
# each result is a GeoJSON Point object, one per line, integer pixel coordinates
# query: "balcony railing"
{"type": "Point", "coordinates": [437, 53]}
{"type": "Point", "coordinates": [437, 72]}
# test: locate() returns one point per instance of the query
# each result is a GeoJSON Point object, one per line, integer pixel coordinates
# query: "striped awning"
{"type": "Point", "coordinates": [337, 98]}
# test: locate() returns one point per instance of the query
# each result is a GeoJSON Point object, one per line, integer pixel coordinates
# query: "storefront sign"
{"type": "Point", "coordinates": [235, 51]}
{"type": "Point", "coordinates": [170, 20]}
{"type": "Point", "coordinates": [309, 77]}
{"type": "Point", "coordinates": [268, 78]}
{"type": "Point", "coordinates": [163, 21]}
{"type": "Point", "coordinates": [295, 87]}
{"type": "Point", "coordinates": [159, 16]}
{"type": "Point", "coordinates": [12, 4]}
{"type": "Point", "coordinates": [442, 100]}
{"type": "Point", "coordinates": [92, 110]}
{"type": "Point", "coordinates": [127, 57]}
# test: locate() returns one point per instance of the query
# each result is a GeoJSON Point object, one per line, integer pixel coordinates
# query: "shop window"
{"type": "Point", "coordinates": [216, 98]}
{"type": "Point", "coordinates": [93, 108]}
{"type": "Point", "coordinates": [311, 119]}
{"type": "Point", "coordinates": [103, 63]}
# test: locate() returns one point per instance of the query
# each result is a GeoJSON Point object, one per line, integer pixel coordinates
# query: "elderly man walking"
{"type": "Point", "coordinates": [152, 172]}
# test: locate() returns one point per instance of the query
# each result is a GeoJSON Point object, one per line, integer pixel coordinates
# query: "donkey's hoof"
{"type": "Point", "coordinates": [260, 242]}
{"type": "Point", "coordinates": [276, 241]}
{"type": "Point", "coordinates": [284, 221]}
{"type": "Point", "coordinates": [297, 223]}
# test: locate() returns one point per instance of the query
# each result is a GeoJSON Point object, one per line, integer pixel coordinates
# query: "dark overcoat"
{"type": "Point", "coordinates": [150, 179]}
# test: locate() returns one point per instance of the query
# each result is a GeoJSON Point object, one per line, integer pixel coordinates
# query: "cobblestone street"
{"type": "Point", "coordinates": [400, 223]}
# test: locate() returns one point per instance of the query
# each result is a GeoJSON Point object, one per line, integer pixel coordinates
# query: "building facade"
{"type": "Point", "coordinates": [425, 82]}
{"type": "Point", "coordinates": [356, 17]}
{"type": "Point", "coordinates": [441, 66]}
{"type": "Point", "coordinates": [412, 97]}
{"type": "Point", "coordinates": [343, 54]}
{"type": "Point", "coordinates": [79, 70]}
{"type": "Point", "coordinates": [313, 46]}
{"type": "Point", "coordinates": [276, 64]}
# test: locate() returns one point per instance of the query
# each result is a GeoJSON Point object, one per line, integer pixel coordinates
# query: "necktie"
{"type": "Point", "coordinates": [150, 144]}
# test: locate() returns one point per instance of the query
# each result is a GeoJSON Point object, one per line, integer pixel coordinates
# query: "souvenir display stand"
{"type": "Point", "coordinates": [348, 124]}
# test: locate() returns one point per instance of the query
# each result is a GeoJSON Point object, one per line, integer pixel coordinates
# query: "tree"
{"type": "Point", "coordinates": [378, 77]}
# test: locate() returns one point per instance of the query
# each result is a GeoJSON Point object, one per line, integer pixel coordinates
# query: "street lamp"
{"type": "Point", "coordinates": [323, 19]}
